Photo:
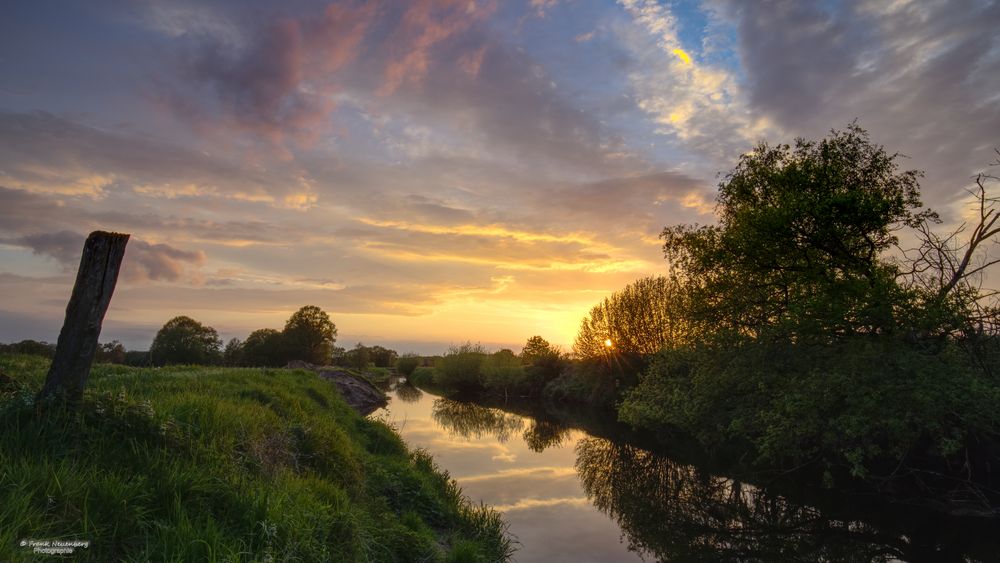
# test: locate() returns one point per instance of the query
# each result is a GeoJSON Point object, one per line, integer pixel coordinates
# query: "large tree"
{"type": "Point", "coordinates": [800, 240]}
{"type": "Point", "coordinates": [309, 335]}
{"type": "Point", "coordinates": [183, 340]}
{"type": "Point", "coordinates": [641, 318]}
{"type": "Point", "coordinates": [264, 347]}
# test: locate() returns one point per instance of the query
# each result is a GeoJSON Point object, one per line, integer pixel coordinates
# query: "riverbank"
{"type": "Point", "coordinates": [672, 500]}
{"type": "Point", "coordinates": [197, 464]}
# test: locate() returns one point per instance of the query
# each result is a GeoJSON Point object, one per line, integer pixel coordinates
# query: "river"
{"type": "Point", "coordinates": [575, 496]}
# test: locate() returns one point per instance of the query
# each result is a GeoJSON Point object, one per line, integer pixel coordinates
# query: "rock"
{"type": "Point", "coordinates": [358, 392]}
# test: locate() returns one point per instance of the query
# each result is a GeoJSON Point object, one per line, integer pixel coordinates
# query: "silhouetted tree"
{"type": "Point", "coordinates": [309, 335]}
{"type": "Point", "coordinates": [110, 353]}
{"type": "Point", "coordinates": [264, 347]}
{"type": "Point", "coordinates": [183, 340]}
{"type": "Point", "coordinates": [233, 353]}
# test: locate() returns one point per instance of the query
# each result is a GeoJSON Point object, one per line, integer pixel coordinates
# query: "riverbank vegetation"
{"type": "Point", "coordinates": [210, 463]}
{"type": "Point", "coordinates": [822, 325]}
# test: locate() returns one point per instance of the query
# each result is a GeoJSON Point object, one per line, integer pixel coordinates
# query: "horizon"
{"type": "Point", "coordinates": [441, 171]}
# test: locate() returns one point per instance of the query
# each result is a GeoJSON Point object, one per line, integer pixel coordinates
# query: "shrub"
{"type": "Point", "coordinates": [406, 364]}
{"type": "Point", "coordinates": [502, 373]}
{"type": "Point", "coordinates": [460, 369]}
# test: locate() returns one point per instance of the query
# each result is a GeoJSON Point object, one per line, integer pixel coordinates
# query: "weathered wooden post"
{"type": "Point", "coordinates": [95, 282]}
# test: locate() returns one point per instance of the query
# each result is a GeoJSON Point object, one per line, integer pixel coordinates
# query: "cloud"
{"type": "Point", "coordinates": [143, 261]}
{"type": "Point", "coordinates": [64, 246]}
{"type": "Point", "coordinates": [276, 87]}
{"type": "Point", "coordinates": [922, 77]}
{"type": "Point", "coordinates": [425, 24]}
{"type": "Point", "coordinates": [158, 262]}
{"type": "Point", "coordinates": [700, 104]}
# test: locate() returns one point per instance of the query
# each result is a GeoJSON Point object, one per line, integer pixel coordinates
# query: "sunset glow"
{"type": "Point", "coordinates": [428, 172]}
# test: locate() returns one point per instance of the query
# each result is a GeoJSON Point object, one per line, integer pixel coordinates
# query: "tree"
{"type": "Point", "coordinates": [233, 354]}
{"type": "Point", "coordinates": [358, 357]}
{"type": "Point", "coordinates": [309, 335]}
{"type": "Point", "coordinates": [183, 340]}
{"type": "Point", "coordinates": [110, 353]}
{"type": "Point", "coordinates": [640, 319]}
{"type": "Point", "coordinates": [407, 363]}
{"type": "Point", "coordinates": [535, 347]}
{"type": "Point", "coordinates": [383, 357]}
{"type": "Point", "coordinates": [799, 243]}
{"type": "Point", "coordinates": [264, 347]}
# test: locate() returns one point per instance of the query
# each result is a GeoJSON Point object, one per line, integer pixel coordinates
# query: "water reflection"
{"type": "Point", "coordinates": [408, 393]}
{"type": "Point", "coordinates": [469, 420]}
{"type": "Point", "coordinates": [674, 512]}
{"type": "Point", "coordinates": [602, 497]}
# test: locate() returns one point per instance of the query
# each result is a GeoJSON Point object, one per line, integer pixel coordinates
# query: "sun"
{"type": "Point", "coordinates": [608, 343]}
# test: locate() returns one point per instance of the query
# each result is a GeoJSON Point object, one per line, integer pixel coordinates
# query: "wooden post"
{"type": "Point", "coordinates": [95, 282]}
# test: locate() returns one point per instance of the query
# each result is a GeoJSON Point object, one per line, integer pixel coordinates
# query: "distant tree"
{"type": "Point", "coordinates": [639, 319]}
{"type": "Point", "coordinates": [110, 353]}
{"type": "Point", "coordinates": [32, 347]}
{"type": "Point", "coordinates": [407, 363]}
{"type": "Point", "coordinates": [137, 358]}
{"type": "Point", "coordinates": [233, 353]}
{"type": "Point", "coordinates": [536, 347]}
{"type": "Point", "coordinates": [502, 372]}
{"type": "Point", "coordinates": [264, 347]}
{"type": "Point", "coordinates": [183, 340]}
{"type": "Point", "coordinates": [358, 357]}
{"type": "Point", "coordinates": [309, 335]}
{"type": "Point", "coordinates": [383, 357]}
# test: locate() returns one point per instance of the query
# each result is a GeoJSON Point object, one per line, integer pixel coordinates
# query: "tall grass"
{"type": "Point", "coordinates": [222, 464]}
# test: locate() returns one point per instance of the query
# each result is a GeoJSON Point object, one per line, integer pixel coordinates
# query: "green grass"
{"type": "Point", "coordinates": [222, 464]}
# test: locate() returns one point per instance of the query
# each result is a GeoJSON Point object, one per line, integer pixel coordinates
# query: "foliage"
{"type": "Point", "coordinates": [382, 357]}
{"type": "Point", "coordinates": [503, 373]}
{"type": "Point", "coordinates": [639, 319]}
{"type": "Point", "coordinates": [309, 335]}
{"type": "Point", "coordinates": [198, 464]}
{"type": "Point", "coordinates": [544, 363]}
{"type": "Point", "coordinates": [264, 347]}
{"type": "Point", "coordinates": [805, 342]}
{"type": "Point", "coordinates": [422, 377]}
{"type": "Point", "coordinates": [110, 353]}
{"type": "Point", "coordinates": [32, 347]}
{"type": "Point", "coordinates": [801, 233]}
{"type": "Point", "coordinates": [460, 370]}
{"type": "Point", "coordinates": [407, 363]}
{"type": "Point", "coordinates": [183, 340]}
{"type": "Point", "coordinates": [232, 354]}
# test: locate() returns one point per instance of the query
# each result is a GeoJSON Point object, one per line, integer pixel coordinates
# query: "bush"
{"type": "Point", "coordinates": [502, 373]}
{"type": "Point", "coordinates": [422, 377]}
{"type": "Point", "coordinates": [406, 364]}
{"type": "Point", "coordinates": [828, 405]}
{"type": "Point", "coordinates": [460, 370]}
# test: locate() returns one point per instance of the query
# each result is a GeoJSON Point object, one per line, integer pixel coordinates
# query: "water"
{"type": "Point", "coordinates": [575, 496]}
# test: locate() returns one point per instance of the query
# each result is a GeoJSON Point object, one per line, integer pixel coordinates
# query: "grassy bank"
{"type": "Point", "coordinates": [217, 464]}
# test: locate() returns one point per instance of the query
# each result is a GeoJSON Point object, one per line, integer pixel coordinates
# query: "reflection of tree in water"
{"type": "Point", "coordinates": [408, 393]}
{"type": "Point", "coordinates": [473, 421]}
{"type": "Point", "coordinates": [675, 513]}
{"type": "Point", "coordinates": [544, 434]}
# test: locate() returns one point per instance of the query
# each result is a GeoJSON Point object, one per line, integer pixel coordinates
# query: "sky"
{"type": "Point", "coordinates": [432, 172]}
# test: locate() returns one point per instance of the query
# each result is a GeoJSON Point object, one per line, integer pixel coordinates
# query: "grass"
{"type": "Point", "coordinates": [222, 464]}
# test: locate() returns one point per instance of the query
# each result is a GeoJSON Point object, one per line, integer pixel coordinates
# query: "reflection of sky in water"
{"type": "Point", "coordinates": [538, 492]}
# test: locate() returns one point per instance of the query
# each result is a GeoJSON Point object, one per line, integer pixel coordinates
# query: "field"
{"type": "Point", "coordinates": [222, 464]}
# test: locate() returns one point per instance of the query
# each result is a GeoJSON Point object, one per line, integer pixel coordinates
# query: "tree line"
{"type": "Point", "coordinates": [308, 335]}
{"type": "Point", "coordinates": [822, 321]}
